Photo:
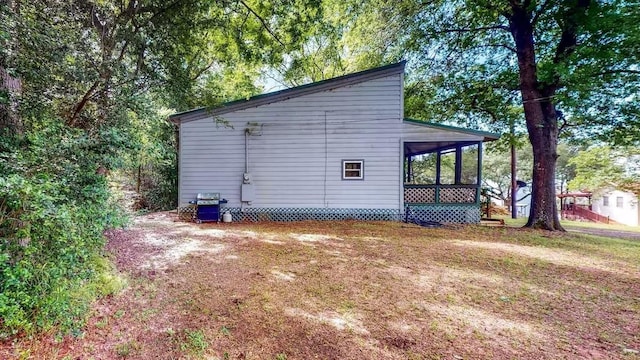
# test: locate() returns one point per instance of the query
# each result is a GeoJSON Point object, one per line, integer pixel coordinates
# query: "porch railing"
{"type": "Point", "coordinates": [583, 211]}
{"type": "Point", "coordinates": [441, 194]}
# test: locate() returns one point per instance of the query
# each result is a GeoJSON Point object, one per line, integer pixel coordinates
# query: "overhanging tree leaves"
{"type": "Point", "coordinates": [94, 75]}
{"type": "Point", "coordinates": [600, 168]}
{"type": "Point", "coordinates": [497, 171]}
{"type": "Point", "coordinates": [571, 66]}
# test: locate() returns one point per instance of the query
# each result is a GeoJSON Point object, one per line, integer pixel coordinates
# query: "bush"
{"type": "Point", "coordinates": [54, 208]}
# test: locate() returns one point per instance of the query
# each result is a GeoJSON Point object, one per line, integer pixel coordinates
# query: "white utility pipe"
{"type": "Point", "coordinates": [246, 151]}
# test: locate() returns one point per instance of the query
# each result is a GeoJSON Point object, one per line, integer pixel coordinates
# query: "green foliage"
{"type": "Point", "coordinates": [565, 169]}
{"type": "Point", "coordinates": [96, 79]}
{"type": "Point", "coordinates": [464, 67]}
{"type": "Point", "coordinates": [601, 167]}
{"type": "Point", "coordinates": [125, 349]}
{"type": "Point", "coordinates": [53, 210]}
{"type": "Point", "coordinates": [153, 165]}
{"type": "Point", "coordinates": [497, 169]}
{"type": "Point", "coordinates": [224, 330]}
{"type": "Point", "coordinates": [545, 68]}
{"type": "Point", "coordinates": [193, 342]}
{"type": "Point", "coordinates": [424, 167]}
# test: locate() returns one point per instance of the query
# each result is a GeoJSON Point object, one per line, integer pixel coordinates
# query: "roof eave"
{"type": "Point", "coordinates": [488, 136]}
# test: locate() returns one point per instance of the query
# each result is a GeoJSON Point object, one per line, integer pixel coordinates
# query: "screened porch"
{"type": "Point", "coordinates": [442, 180]}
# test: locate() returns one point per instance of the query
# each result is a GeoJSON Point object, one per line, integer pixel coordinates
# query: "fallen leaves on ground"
{"type": "Point", "coordinates": [358, 290]}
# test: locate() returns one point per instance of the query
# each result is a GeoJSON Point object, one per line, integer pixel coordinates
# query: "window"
{"type": "Point", "coordinates": [605, 201]}
{"type": "Point", "coordinates": [352, 169]}
{"type": "Point", "coordinates": [619, 201]}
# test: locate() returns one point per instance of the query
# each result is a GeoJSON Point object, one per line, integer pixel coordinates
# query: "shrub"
{"type": "Point", "coordinates": [54, 208]}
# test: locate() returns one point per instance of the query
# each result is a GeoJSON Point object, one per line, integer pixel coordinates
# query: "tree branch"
{"type": "Point", "coordinates": [569, 36]}
{"type": "Point", "coordinates": [71, 121]}
{"type": "Point", "coordinates": [520, 4]}
{"type": "Point", "coordinates": [263, 21]}
{"type": "Point", "coordinates": [293, 82]}
{"type": "Point", "coordinates": [156, 11]}
{"type": "Point", "coordinates": [540, 11]}
{"type": "Point", "coordinates": [568, 40]}
{"type": "Point", "coordinates": [492, 115]}
{"type": "Point", "coordinates": [202, 70]}
{"type": "Point", "coordinates": [97, 23]}
{"type": "Point", "coordinates": [482, 28]}
{"type": "Point", "coordinates": [565, 124]}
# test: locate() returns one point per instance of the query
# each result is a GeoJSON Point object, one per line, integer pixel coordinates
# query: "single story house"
{"type": "Point", "coordinates": [619, 206]}
{"type": "Point", "coordinates": [335, 149]}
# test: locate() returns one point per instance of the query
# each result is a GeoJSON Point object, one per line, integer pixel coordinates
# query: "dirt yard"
{"type": "Point", "coordinates": [359, 290]}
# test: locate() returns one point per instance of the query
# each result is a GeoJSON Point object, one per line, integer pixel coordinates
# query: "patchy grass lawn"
{"type": "Point", "coordinates": [594, 225]}
{"type": "Point", "coordinates": [571, 224]}
{"type": "Point", "coordinates": [359, 290]}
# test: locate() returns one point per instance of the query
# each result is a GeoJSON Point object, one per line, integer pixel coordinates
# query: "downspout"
{"type": "Point", "coordinates": [246, 150]}
{"type": "Point", "coordinates": [247, 192]}
{"type": "Point", "coordinates": [244, 199]}
{"type": "Point", "coordinates": [326, 160]}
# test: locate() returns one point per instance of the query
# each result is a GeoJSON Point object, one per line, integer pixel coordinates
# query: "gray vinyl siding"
{"type": "Point", "coordinates": [211, 159]}
{"type": "Point", "coordinates": [297, 160]}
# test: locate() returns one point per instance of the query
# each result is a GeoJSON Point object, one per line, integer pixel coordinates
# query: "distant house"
{"type": "Point", "coordinates": [620, 206]}
{"type": "Point", "coordinates": [334, 149]}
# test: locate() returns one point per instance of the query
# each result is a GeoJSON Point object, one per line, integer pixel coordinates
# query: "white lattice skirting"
{"type": "Point", "coordinates": [459, 213]}
{"type": "Point", "coordinates": [446, 195]}
{"type": "Point", "coordinates": [463, 213]}
{"type": "Point", "coordinates": [300, 214]}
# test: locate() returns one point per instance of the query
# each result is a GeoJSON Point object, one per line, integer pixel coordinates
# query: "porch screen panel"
{"type": "Point", "coordinates": [423, 169]}
{"type": "Point", "coordinates": [448, 167]}
{"type": "Point", "coordinates": [469, 174]}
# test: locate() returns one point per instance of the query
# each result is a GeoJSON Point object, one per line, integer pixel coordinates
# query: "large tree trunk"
{"type": "Point", "coordinates": [543, 135]}
{"type": "Point", "coordinates": [9, 85]}
{"type": "Point", "coordinates": [541, 119]}
{"type": "Point", "coordinates": [9, 88]}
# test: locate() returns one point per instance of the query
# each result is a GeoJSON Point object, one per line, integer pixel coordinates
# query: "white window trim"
{"type": "Point", "coordinates": [344, 170]}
